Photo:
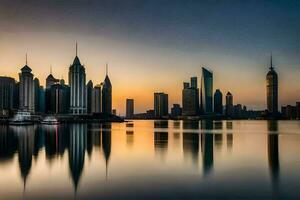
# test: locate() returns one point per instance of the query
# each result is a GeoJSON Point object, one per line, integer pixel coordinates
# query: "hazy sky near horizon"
{"type": "Point", "coordinates": [154, 45]}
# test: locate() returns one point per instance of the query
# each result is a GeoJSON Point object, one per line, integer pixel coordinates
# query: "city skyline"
{"type": "Point", "coordinates": [238, 43]}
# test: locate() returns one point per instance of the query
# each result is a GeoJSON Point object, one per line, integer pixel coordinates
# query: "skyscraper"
{"type": "Point", "coordinates": [77, 81]}
{"type": "Point", "coordinates": [218, 102]}
{"type": "Point", "coordinates": [206, 96]}
{"type": "Point", "coordinates": [7, 86]}
{"type": "Point", "coordinates": [107, 94]}
{"type": "Point", "coordinates": [89, 93]}
{"type": "Point", "coordinates": [59, 98]}
{"type": "Point", "coordinates": [36, 94]}
{"type": "Point", "coordinates": [129, 108]}
{"type": "Point", "coordinates": [50, 80]}
{"type": "Point", "coordinates": [96, 99]}
{"type": "Point", "coordinates": [161, 105]}
{"type": "Point", "coordinates": [26, 89]}
{"type": "Point", "coordinates": [272, 90]}
{"type": "Point", "coordinates": [229, 104]}
{"type": "Point", "coordinates": [190, 98]}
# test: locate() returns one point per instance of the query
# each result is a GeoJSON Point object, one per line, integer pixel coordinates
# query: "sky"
{"type": "Point", "coordinates": [155, 45]}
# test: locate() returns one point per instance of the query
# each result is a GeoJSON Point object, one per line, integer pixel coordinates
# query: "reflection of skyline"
{"type": "Point", "coordinates": [106, 145]}
{"type": "Point", "coordinates": [273, 154]}
{"type": "Point", "coordinates": [191, 146]}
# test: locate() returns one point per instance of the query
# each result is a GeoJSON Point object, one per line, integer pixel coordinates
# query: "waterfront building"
{"type": "Point", "coordinates": [206, 94]}
{"type": "Point", "coordinates": [50, 81]}
{"type": "Point", "coordinates": [129, 108]}
{"type": "Point", "coordinates": [229, 105]}
{"type": "Point", "coordinates": [190, 98]}
{"type": "Point", "coordinates": [59, 98]}
{"type": "Point", "coordinates": [176, 110]}
{"type": "Point", "coordinates": [7, 86]}
{"type": "Point", "coordinates": [36, 94]}
{"type": "Point", "coordinates": [77, 82]}
{"type": "Point", "coordinates": [161, 105]}
{"type": "Point", "coordinates": [96, 99]}
{"type": "Point", "coordinates": [26, 89]}
{"type": "Point", "coordinates": [89, 93]}
{"type": "Point", "coordinates": [107, 94]}
{"type": "Point", "coordinates": [272, 90]}
{"type": "Point", "coordinates": [218, 102]}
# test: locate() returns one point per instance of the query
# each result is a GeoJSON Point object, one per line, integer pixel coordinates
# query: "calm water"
{"type": "Point", "coordinates": [151, 160]}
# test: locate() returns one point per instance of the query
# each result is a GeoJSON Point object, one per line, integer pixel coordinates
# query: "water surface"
{"type": "Point", "coordinates": [151, 160]}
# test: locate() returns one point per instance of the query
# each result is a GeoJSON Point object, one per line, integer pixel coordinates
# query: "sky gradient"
{"type": "Point", "coordinates": [153, 46]}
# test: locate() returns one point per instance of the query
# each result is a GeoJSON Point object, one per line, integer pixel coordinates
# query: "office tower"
{"type": "Point", "coordinates": [161, 107]}
{"type": "Point", "coordinates": [7, 86]}
{"type": "Point", "coordinates": [129, 108]}
{"type": "Point", "coordinates": [190, 98]}
{"type": "Point", "coordinates": [36, 94]}
{"type": "Point", "coordinates": [42, 99]}
{"type": "Point", "coordinates": [218, 102]}
{"type": "Point", "coordinates": [59, 98]}
{"type": "Point", "coordinates": [96, 99]}
{"type": "Point", "coordinates": [229, 104]}
{"type": "Point", "coordinates": [77, 87]}
{"type": "Point", "coordinates": [26, 89]}
{"type": "Point", "coordinates": [50, 80]}
{"type": "Point", "coordinates": [107, 95]}
{"type": "Point", "coordinates": [272, 90]}
{"type": "Point", "coordinates": [16, 100]}
{"type": "Point", "coordinates": [89, 92]}
{"type": "Point", "coordinates": [206, 94]}
{"type": "Point", "coordinates": [176, 110]}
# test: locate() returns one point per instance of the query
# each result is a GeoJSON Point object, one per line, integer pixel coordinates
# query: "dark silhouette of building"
{"type": "Point", "coordinates": [7, 86]}
{"type": "Point", "coordinates": [206, 94]}
{"type": "Point", "coordinates": [291, 112]}
{"type": "Point", "coordinates": [129, 108]}
{"type": "Point", "coordinates": [37, 95]}
{"type": "Point", "coordinates": [272, 90]}
{"type": "Point", "coordinates": [229, 105]}
{"type": "Point", "coordinates": [77, 82]}
{"type": "Point", "coordinates": [190, 98]}
{"type": "Point", "coordinates": [26, 89]}
{"type": "Point", "coordinates": [89, 94]}
{"type": "Point", "coordinates": [106, 145]}
{"type": "Point", "coordinates": [107, 94]}
{"type": "Point", "coordinates": [50, 80]}
{"type": "Point", "coordinates": [96, 99]}
{"type": "Point", "coordinates": [59, 98]}
{"type": "Point", "coordinates": [218, 102]}
{"type": "Point", "coordinates": [161, 105]}
{"type": "Point", "coordinates": [176, 111]}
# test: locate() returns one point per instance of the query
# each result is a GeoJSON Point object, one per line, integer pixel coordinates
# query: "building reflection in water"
{"type": "Point", "coordinates": [129, 134]}
{"type": "Point", "coordinates": [160, 143]}
{"type": "Point", "coordinates": [207, 147]}
{"type": "Point", "coordinates": [176, 125]}
{"type": "Point", "coordinates": [190, 124]}
{"type": "Point", "coordinates": [161, 124]}
{"type": "Point", "coordinates": [77, 151]}
{"type": "Point", "coordinates": [191, 146]}
{"type": "Point", "coordinates": [106, 145]}
{"type": "Point", "coordinates": [273, 154]}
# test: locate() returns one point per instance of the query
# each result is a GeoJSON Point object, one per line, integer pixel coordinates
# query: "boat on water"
{"type": "Point", "coordinates": [21, 118]}
{"type": "Point", "coordinates": [50, 120]}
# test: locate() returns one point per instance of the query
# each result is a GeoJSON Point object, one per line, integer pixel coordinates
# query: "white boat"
{"type": "Point", "coordinates": [50, 120]}
{"type": "Point", "coordinates": [21, 118]}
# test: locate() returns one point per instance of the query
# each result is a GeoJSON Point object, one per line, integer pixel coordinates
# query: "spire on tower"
{"type": "Point", "coordinates": [76, 48]}
{"type": "Point", "coordinates": [50, 69]}
{"type": "Point", "coordinates": [26, 58]}
{"type": "Point", "coordinates": [106, 69]}
{"type": "Point", "coordinates": [271, 62]}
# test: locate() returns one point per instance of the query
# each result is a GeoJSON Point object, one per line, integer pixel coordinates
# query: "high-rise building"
{"type": "Point", "coordinates": [272, 90]}
{"type": "Point", "coordinates": [190, 98]}
{"type": "Point", "coordinates": [96, 99]}
{"type": "Point", "coordinates": [89, 93]}
{"type": "Point", "coordinates": [77, 81]}
{"type": "Point", "coordinates": [161, 105]}
{"type": "Point", "coordinates": [176, 110]}
{"type": "Point", "coordinates": [107, 95]}
{"type": "Point", "coordinates": [218, 102]}
{"type": "Point", "coordinates": [36, 94]}
{"type": "Point", "coordinates": [229, 105]}
{"type": "Point", "coordinates": [59, 98]}
{"type": "Point", "coordinates": [50, 80]}
{"type": "Point", "coordinates": [7, 86]}
{"type": "Point", "coordinates": [129, 108]}
{"type": "Point", "coordinates": [26, 89]}
{"type": "Point", "coordinates": [206, 94]}
{"type": "Point", "coordinates": [42, 99]}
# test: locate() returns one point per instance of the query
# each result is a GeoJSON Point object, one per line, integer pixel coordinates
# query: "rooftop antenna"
{"type": "Point", "coordinates": [50, 69]}
{"type": "Point", "coordinates": [26, 58]}
{"type": "Point", "coordinates": [106, 69]}
{"type": "Point", "coordinates": [76, 48]}
{"type": "Point", "coordinates": [271, 62]}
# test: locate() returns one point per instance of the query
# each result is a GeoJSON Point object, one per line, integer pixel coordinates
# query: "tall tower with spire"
{"type": "Point", "coordinates": [77, 81]}
{"type": "Point", "coordinates": [26, 89]}
{"type": "Point", "coordinates": [272, 89]}
{"type": "Point", "coordinates": [107, 94]}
